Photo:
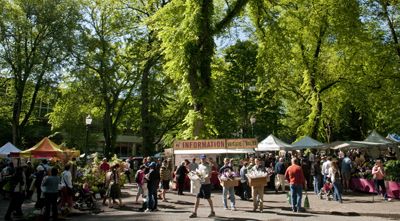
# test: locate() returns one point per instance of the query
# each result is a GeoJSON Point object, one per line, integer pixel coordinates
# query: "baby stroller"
{"type": "Point", "coordinates": [85, 200]}
{"type": "Point", "coordinates": [326, 190]}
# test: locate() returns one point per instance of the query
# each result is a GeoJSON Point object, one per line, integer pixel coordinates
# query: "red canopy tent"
{"type": "Point", "coordinates": [48, 149]}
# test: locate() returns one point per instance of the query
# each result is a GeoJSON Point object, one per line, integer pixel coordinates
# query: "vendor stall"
{"type": "Point", "coordinates": [307, 142]}
{"type": "Point", "coordinates": [189, 149]}
{"type": "Point", "coordinates": [272, 143]}
{"type": "Point", "coordinates": [7, 149]}
{"type": "Point", "coordinates": [47, 149]}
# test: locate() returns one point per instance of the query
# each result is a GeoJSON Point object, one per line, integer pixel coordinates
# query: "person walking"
{"type": "Point", "coordinates": [205, 188]}
{"type": "Point", "coordinates": [165, 177]}
{"type": "Point", "coordinates": [18, 186]}
{"type": "Point", "coordinates": [180, 175]}
{"type": "Point", "coordinates": [227, 168]}
{"type": "Point", "coordinates": [378, 173]}
{"type": "Point", "coordinates": [114, 189]}
{"type": "Point", "coordinates": [50, 187]}
{"type": "Point", "coordinates": [246, 195]}
{"type": "Point", "coordinates": [280, 175]}
{"type": "Point", "coordinates": [66, 189]}
{"type": "Point", "coordinates": [127, 170]}
{"type": "Point", "coordinates": [153, 179]}
{"type": "Point", "coordinates": [334, 174]}
{"type": "Point", "coordinates": [192, 167]}
{"type": "Point", "coordinates": [257, 192]}
{"type": "Point", "coordinates": [41, 172]}
{"type": "Point", "coordinates": [325, 168]}
{"type": "Point", "coordinates": [316, 174]}
{"type": "Point", "coordinates": [294, 174]}
{"type": "Point", "coordinates": [345, 169]}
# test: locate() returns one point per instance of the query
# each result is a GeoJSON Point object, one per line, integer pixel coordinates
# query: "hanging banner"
{"type": "Point", "coordinates": [249, 143]}
{"type": "Point", "coordinates": [199, 144]}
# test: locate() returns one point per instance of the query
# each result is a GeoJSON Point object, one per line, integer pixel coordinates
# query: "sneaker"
{"type": "Point", "coordinates": [212, 214]}
{"type": "Point", "coordinates": [225, 208]}
{"type": "Point", "coordinates": [147, 211]}
{"type": "Point", "coordinates": [193, 215]}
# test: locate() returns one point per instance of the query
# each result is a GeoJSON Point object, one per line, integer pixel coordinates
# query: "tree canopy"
{"type": "Point", "coordinates": [157, 69]}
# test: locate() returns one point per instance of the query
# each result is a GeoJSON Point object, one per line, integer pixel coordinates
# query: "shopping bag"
{"type": "Point", "coordinates": [306, 202]}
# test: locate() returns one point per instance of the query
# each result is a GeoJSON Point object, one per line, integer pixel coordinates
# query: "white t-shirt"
{"type": "Point", "coordinates": [207, 172]}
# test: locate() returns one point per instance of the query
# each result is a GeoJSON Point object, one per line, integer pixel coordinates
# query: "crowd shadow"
{"type": "Point", "coordinates": [222, 218]}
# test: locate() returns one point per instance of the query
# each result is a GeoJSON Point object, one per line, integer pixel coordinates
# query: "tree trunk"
{"type": "Point", "coordinates": [146, 130]}
{"type": "Point", "coordinates": [107, 123]}
{"type": "Point", "coordinates": [17, 107]}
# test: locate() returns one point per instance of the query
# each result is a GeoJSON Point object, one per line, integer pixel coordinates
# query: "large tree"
{"type": "Point", "coordinates": [34, 40]}
{"type": "Point", "coordinates": [187, 30]}
{"type": "Point", "coordinates": [308, 52]}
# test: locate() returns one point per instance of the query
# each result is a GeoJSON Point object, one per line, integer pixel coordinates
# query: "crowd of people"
{"type": "Point", "coordinates": [52, 185]}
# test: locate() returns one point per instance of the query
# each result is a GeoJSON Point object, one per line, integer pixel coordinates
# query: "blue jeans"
{"type": "Point", "coordinates": [317, 184]}
{"type": "Point", "coordinates": [152, 199]}
{"type": "Point", "coordinates": [324, 178]}
{"type": "Point", "coordinates": [231, 191]}
{"type": "Point", "coordinates": [337, 191]}
{"type": "Point", "coordinates": [296, 192]}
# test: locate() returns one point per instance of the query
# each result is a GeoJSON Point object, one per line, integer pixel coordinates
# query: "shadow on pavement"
{"type": "Point", "coordinates": [220, 218]}
{"type": "Point", "coordinates": [179, 202]}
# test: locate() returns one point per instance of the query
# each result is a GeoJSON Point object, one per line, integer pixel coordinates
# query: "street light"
{"type": "Point", "coordinates": [252, 122]}
{"type": "Point", "coordinates": [88, 122]}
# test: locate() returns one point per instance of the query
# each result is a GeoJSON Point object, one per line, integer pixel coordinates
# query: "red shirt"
{"type": "Point", "coordinates": [294, 174]}
{"type": "Point", "coordinates": [105, 167]}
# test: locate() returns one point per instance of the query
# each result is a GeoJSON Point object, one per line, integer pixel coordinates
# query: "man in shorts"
{"type": "Point", "coordinates": [205, 188]}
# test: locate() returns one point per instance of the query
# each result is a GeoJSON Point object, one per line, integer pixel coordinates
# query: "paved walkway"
{"type": "Point", "coordinates": [355, 207]}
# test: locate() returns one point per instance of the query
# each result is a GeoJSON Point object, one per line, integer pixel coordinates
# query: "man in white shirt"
{"type": "Point", "coordinates": [325, 168]}
{"type": "Point", "coordinates": [205, 189]}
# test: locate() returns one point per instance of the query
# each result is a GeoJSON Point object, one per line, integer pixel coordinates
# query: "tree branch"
{"type": "Point", "coordinates": [238, 6]}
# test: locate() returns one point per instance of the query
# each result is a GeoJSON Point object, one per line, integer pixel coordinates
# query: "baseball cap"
{"type": "Point", "coordinates": [203, 156]}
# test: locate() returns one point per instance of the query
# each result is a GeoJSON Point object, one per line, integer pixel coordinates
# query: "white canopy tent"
{"type": "Point", "coordinates": [307, 142]}
{"type": "Point", "coordinates": [7, 149]}
{"type": "Point", "coordinates": [272, 143]}
{"type": "Point", "coordinates": [375, 139]}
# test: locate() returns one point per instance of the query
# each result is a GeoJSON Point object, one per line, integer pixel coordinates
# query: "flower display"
{"type": "Point", "coordinates": [229, 175]}
{"type": "Point", "coordinates": [92, 174]}
{"type": "Point", "coordinates": [257, 174]}
{"type": "Point", "coordinates": [198, 175]}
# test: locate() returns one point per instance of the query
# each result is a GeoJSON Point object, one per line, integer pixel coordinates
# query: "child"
{"type": "Point", "coordinates": [326, 189]}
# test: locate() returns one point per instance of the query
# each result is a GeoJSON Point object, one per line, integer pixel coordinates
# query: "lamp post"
{"type": "Point", "coordinates": [252, 122]}
{"type": "Point", "coordinates": [88, 122]}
